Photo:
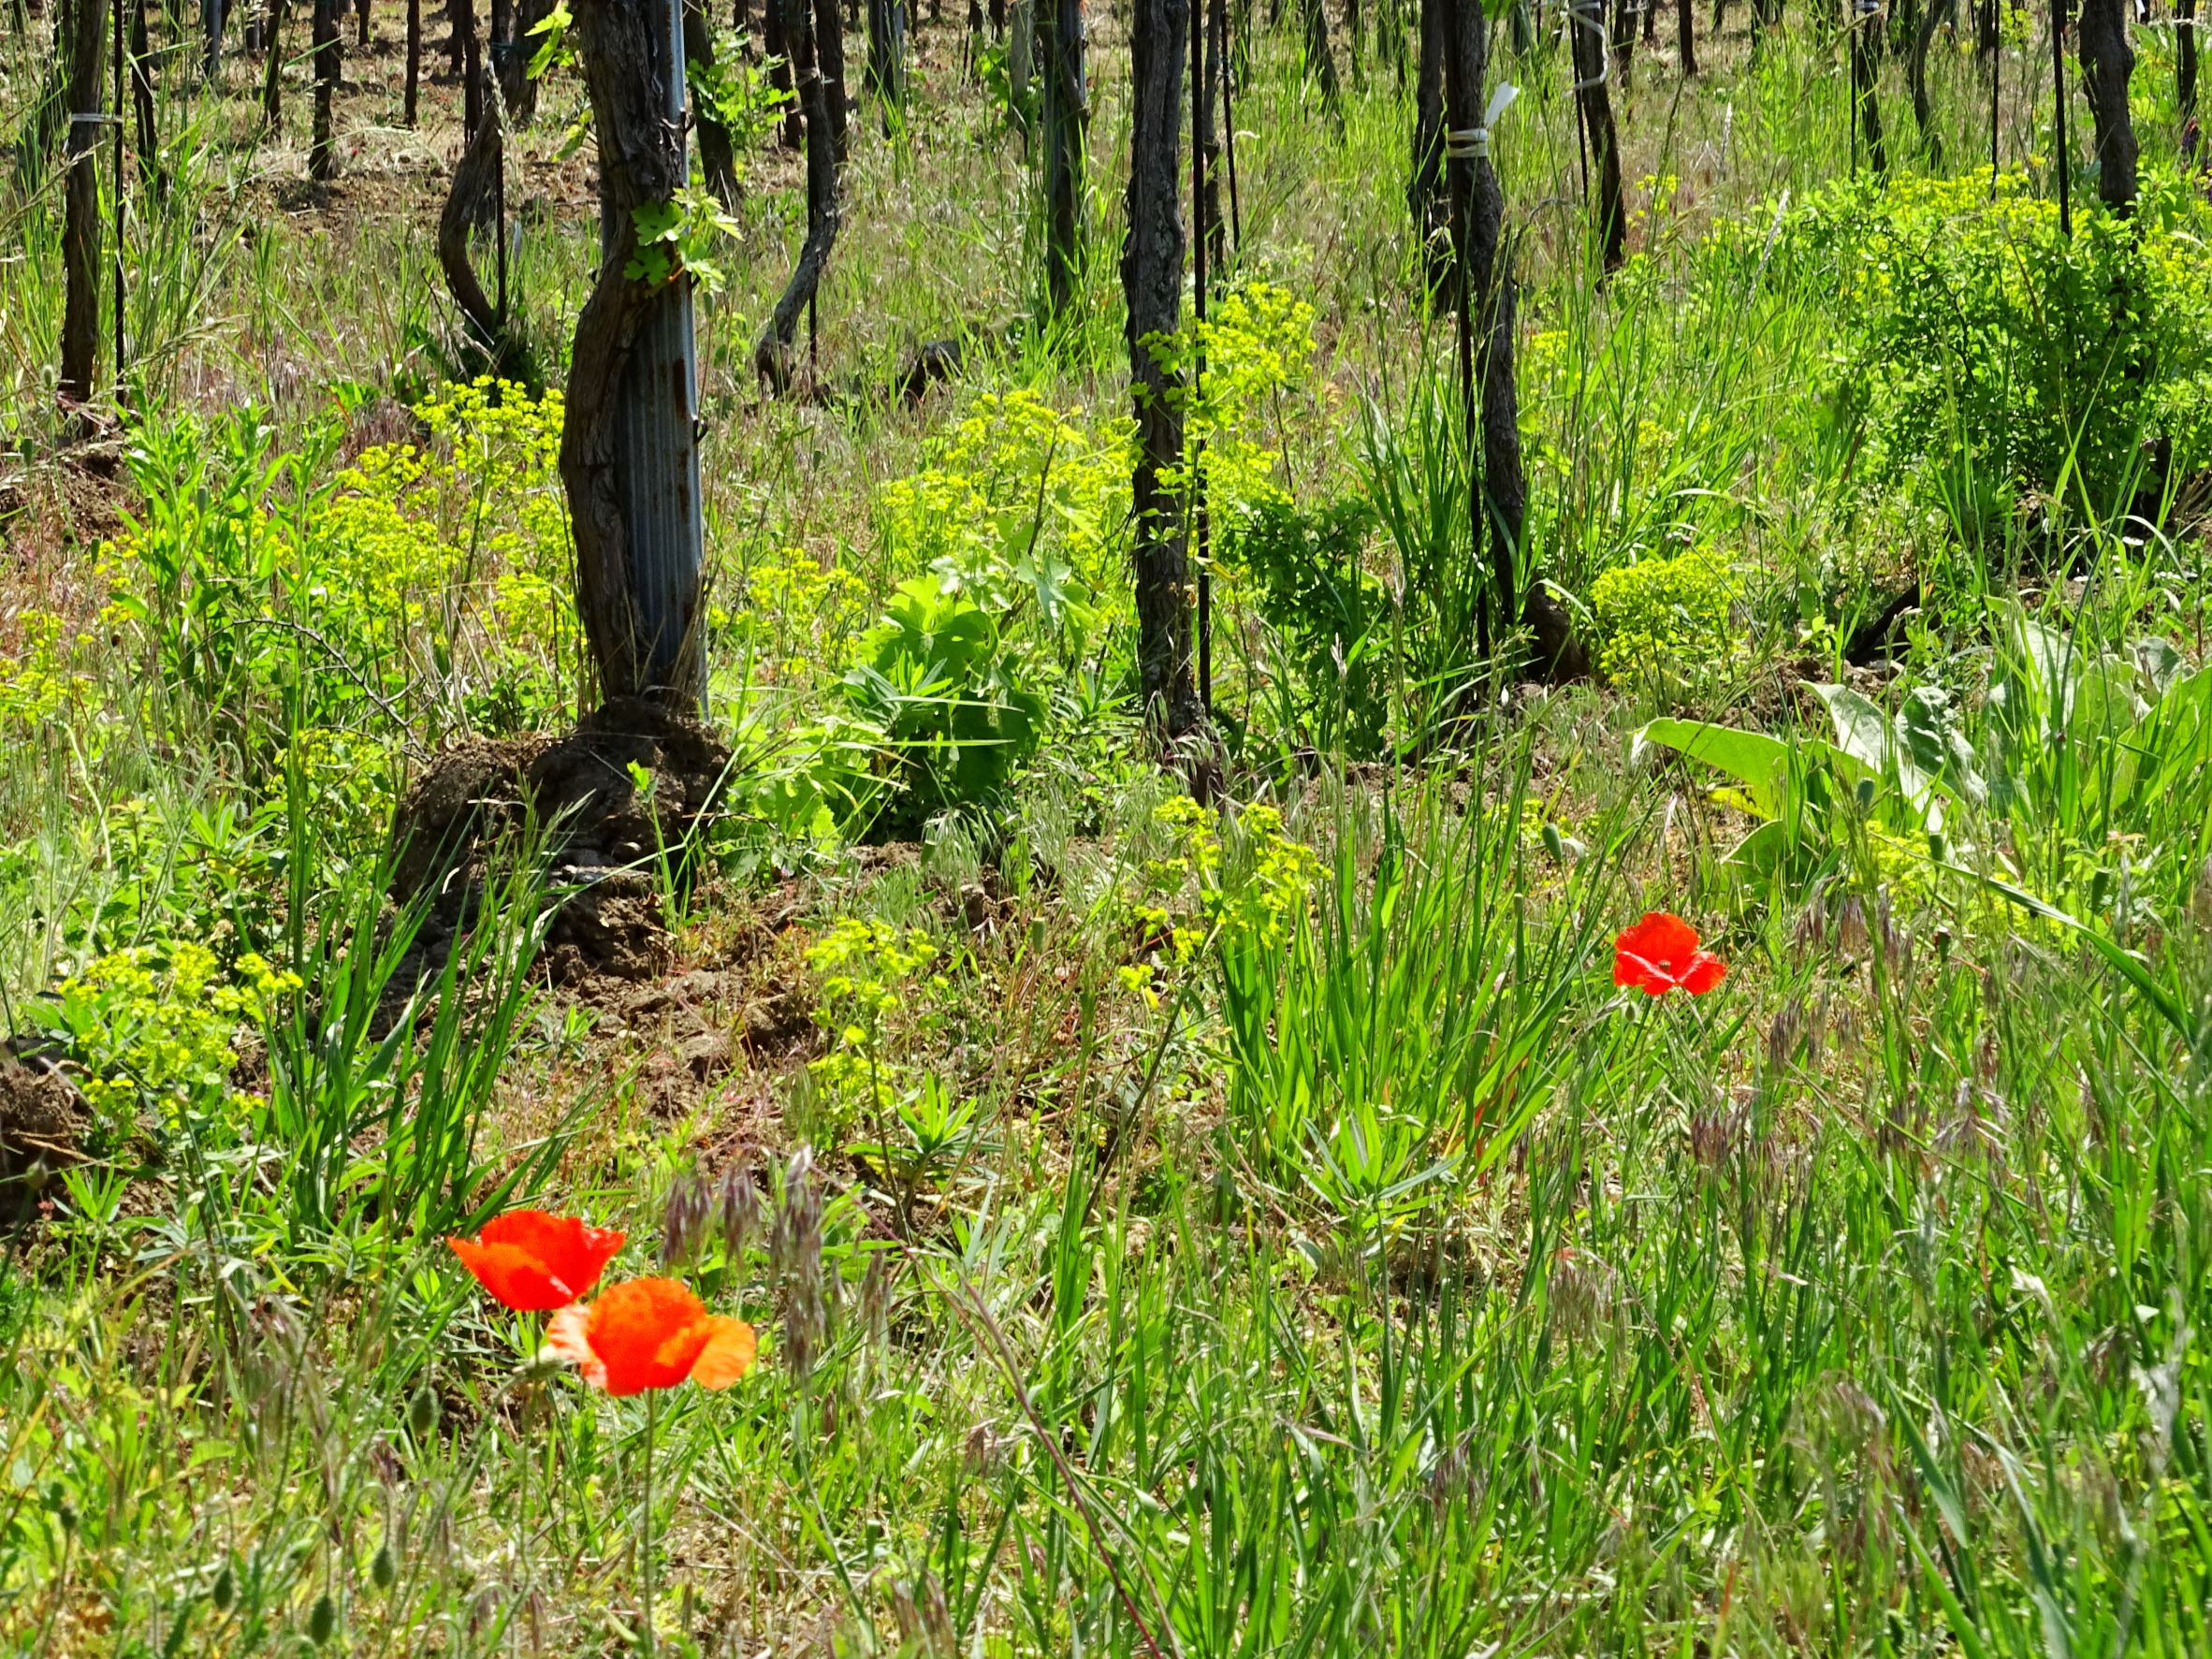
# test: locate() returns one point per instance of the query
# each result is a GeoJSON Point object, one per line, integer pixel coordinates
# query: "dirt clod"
{"type": "Point", "coordinates": [43, 1123]}
{"type": "Point", "coordinates": [612, 843]}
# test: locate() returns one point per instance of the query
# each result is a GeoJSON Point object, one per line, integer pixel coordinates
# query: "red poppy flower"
{"type": "Point", "coordinates": [651, 1333]}
{"type": "Point", "coordinates": [1660, 955]}
{"type": "Point", "coordinates": [534, 1262]}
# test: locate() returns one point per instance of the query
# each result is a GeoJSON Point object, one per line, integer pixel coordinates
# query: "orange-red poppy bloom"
{"type": "Point", "coordinates": [651, 1333]}
{"type": "Point", "coordinates": [1660, 955]}
{"type": "Point", "coordinates": [534, 1262]}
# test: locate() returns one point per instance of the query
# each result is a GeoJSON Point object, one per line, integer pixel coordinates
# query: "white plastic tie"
{"type": "Point", "coordinates": [1472, 144]}
{"type": "Point", "coordinates": [1590, 14]}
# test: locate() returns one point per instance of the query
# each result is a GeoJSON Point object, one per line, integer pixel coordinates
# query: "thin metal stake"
{"type": "Point", "coordinates": [1198, 99]}
{"type": "Point", "coordinates": [118, 10]}
{"type": "Point", "coordinates": [1228, 127]}
{"type": "Point", "coordinates": [1996, 83]}
{"type": "Point", "coordinates": [2061, 157]}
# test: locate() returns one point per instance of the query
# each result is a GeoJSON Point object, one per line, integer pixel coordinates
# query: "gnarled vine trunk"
{"type": "Point", "coordinates": [1938, 13]}
{"type": "Point", "coordinates": [1486, 344]}
{"type": "Point", "coordinates": [467, 203]}
{"type": "Point", "coordinates": [1063, 116]}
{"type": "Point", "coordinates": [1606, 204]}
{"type": "Point", "coordinates": [773, 353]}
{"type": "Point", "coordinates": [2108, 63]}
{"type": "Point", "coordinates": [1320, 58]}
{"type": "Point", "coordinates": [81, 37]}
{"type": "Point", "coordinates": [1424, 187]}
{"type": "Point", "coordinates": [1152, 279]}
{"type": "Point", "coordinates": [718, 156]}
{"type": "Point", "coordinates": [2185, 59]}
{"type": "Point", "coordinates": [629, 456]}
{"type": "Point", "coordinates": [1865, 38]}
{"type": "Point", "coordinates": [321, 148]}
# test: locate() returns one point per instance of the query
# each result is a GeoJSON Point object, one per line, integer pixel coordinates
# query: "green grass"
{"type": "Point", "coordinates": [1269, 1234]}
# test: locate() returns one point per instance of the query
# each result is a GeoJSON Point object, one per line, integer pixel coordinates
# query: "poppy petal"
{"type": "Point", "coordinates": [728, 1354]}
{"type": "Point", "coordinates": [1631, 970]}
{"type": "Point", "coordinates": [571, 1252]}
{"type": "Point", "coordinates": [1662, 939]}
{"type": "Point", "coordinates": [647, 1332]}
{"type": "Point", "coordinates": [1705, 971]}
{"type": "Point", "coordinates": [515, 1277]}
{"type": "Point", "coordinates": [569, 1336]}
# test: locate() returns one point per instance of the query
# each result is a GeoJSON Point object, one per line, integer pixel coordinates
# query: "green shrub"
{"type": "Point", "coordinates": [1984, 346]}
{"type": "Point", "coordinates": [1329, 612]}
{"type": "Point", "coordinates": [951, 700]}
{"type": "Point", "coordinates": [150, 1035]}
{"type": "Point", "coordinates": [1666, 621]}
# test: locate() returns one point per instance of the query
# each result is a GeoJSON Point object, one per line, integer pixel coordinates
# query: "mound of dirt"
{"type": "Point", "coordinates": [42, 1128]}
{"type": "Point", "coordinates": [605, 834]}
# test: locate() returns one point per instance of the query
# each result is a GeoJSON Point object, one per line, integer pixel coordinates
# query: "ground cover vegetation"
{"type": "Point", "coordinates": [1517, 963]}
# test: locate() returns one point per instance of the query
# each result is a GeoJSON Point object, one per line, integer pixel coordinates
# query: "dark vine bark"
{"type": "Point", "coordinates": [413, 105]}
{"type": "Point", "coordinates": [150, 156]}
{"type": "Point", "coordinates": [1685, 35]}
{"type": "Point", "coordinates": [1152, 282]}
{"type": "Point", "coordinates": [468, 203]}
{"type": "Point", "coordinates": [322, 149]}
{"type": "Point", "coordinates": [792, 133]}
{"type": "Point", "coordinates": [517, 85]}
{"type": "Point", "coordinates": [1424, 187]}
{"type": "Point", "coordinates": [1625, 20]}
{"type": "Point", "coordinates": [82, 38]}
{"type": "Point", "coordinates": [272, 78]}
{"type": "Point", "coordinates": [1865, 34]}
{"type": "Point", "coordinates": [641, 164]}
{"type": "Point", "coordinates": [718, 156]}
{"type": "Point", "coordinates": [2108, 63]}
{"type": "Point", "coordinates": [2185, 59]}
{"type": "Point", "coordinates": [829, 60]}
{"type": "Point", "coordinates": [1939, 12]}
{"type": "Point", "coordinates": [1320, 58]}
{"type": "Point", "coordinates": [887, 57]}
{"type": "Point", "coordinates": [772, 355]}
{"type": "Point", "coordinates": [1486, 323]}
{"type": "Point", "coordinates": [1206, 139]}
{"type": "Point", "coordinates": [1063, 117]}
{"type": "Point", "coordinates": [1607, 205]}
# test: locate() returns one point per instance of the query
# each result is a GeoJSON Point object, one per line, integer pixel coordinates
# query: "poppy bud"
{"type": "Point", "coordinates": [422, 1412]}
{"type": "Point", "coordinates": [384, 1572]}
{"type": "Point", "coordinates": [225, 1590]}
{"type": "Point", "coordinates": [322, 1619]}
